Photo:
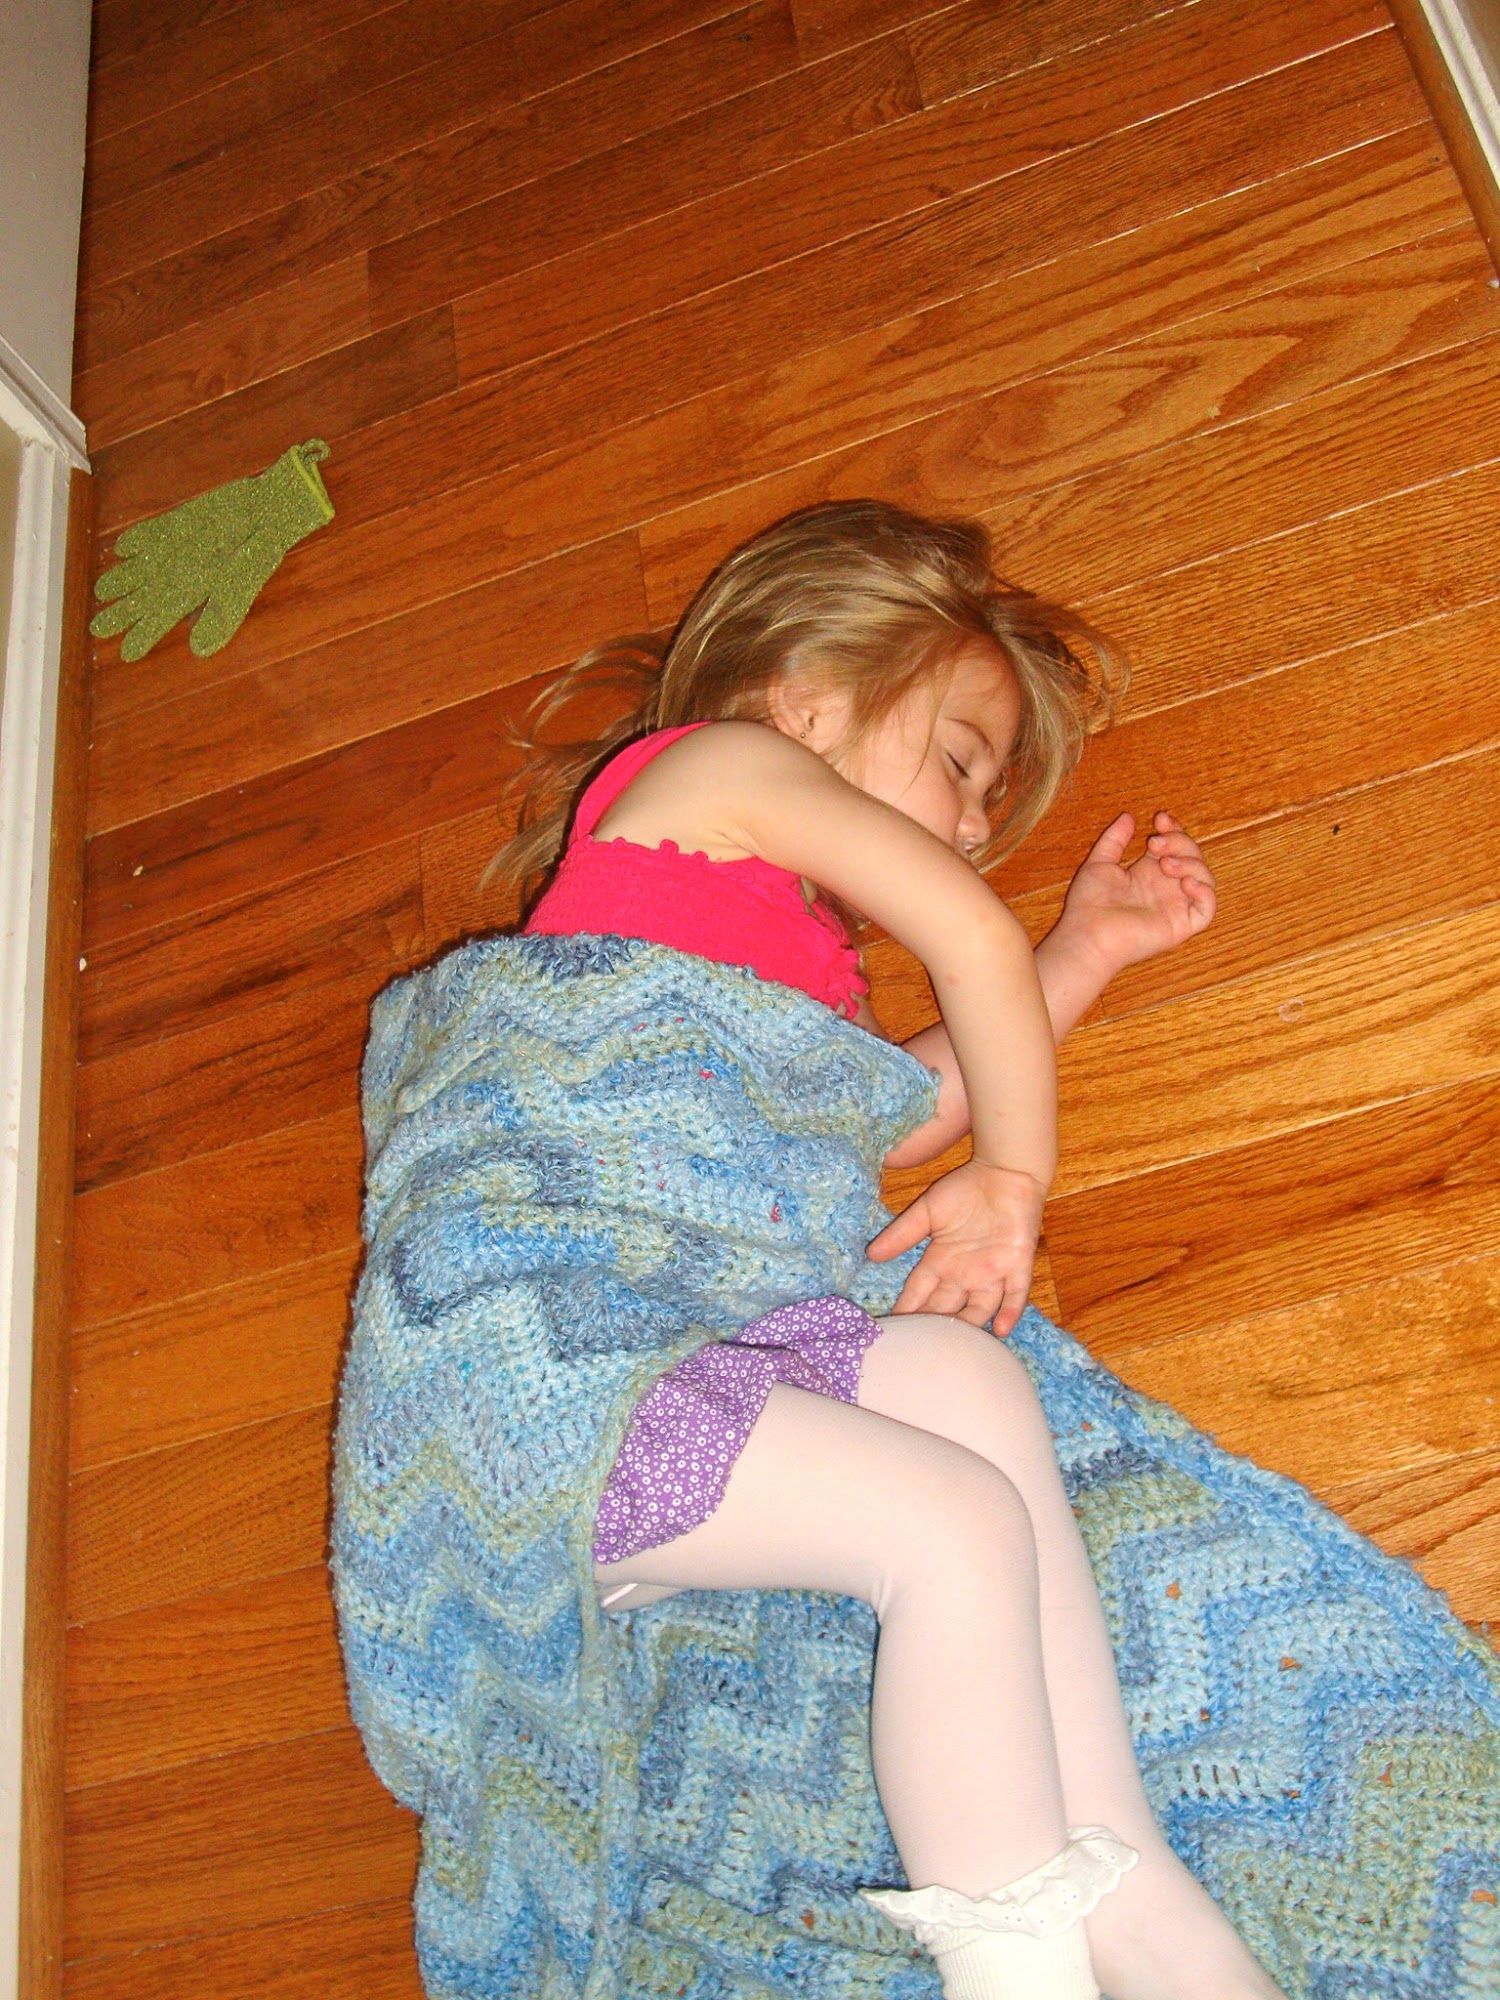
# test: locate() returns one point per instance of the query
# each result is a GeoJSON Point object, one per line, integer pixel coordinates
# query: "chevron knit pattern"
{"type": "Point", "coordinates": [586, 1157]}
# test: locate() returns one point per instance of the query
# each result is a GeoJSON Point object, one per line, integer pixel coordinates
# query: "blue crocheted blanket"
{"type": "Point", "coordinates": [586, 1157]}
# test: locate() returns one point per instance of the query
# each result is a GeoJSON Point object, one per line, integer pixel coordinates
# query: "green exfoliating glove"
{"type": "Point", "coordinates": [211, 555]}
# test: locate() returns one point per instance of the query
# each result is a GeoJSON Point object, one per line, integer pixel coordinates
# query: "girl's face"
{"type": "Point", "coordinates": [938, 770]}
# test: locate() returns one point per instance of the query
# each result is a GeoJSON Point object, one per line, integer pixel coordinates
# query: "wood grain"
{"type": "Point", "coordinates": [262, 1344]}
{"type": "Point", "coordinates": [359, 1952]}
{"type": "Point", "coordinates": [910, 253]}
{"type": "Point", "coordinates": [360, 916]}
{"type": "Point", "coordinates": [258, 1206]}
{"type": "Point", "coordinates": [225, 1509]}
{"type": "Point", "coordinates": [1396, 1188]}
{"type": "Point", "coordinates": [180, 1854]}
{"type": "Point", "coordinates": [203, 1677]}
{"type": "Point", "coordinates": [238, 723]}
{"type": "Point", "coordinates": [381, 204]}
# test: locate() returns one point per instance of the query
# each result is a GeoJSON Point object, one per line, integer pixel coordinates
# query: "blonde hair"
{"type": "Point", "coordinates": [857, 597]}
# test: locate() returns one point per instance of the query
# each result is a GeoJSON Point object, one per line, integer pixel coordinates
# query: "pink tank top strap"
{"type": "Point", "coordinates": [617, 774]}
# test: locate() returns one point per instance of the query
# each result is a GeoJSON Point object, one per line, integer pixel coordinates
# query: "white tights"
{"type": "Point", "coordinates": [996, 1721]}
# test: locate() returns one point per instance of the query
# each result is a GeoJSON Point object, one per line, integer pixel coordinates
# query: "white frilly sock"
{"type": "Point", "coordinates": [1025, 1941]}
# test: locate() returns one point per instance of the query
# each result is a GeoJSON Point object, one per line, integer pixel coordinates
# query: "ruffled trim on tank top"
{"type": "Point", "coordinates": [844, 985]}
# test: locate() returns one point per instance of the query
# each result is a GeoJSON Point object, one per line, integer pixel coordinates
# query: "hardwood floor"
{"type": "Point", "coordinates": [1187, 305]}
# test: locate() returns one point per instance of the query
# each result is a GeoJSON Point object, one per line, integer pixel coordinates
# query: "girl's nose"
{"type": "Point", "coordinates": [973, 830]}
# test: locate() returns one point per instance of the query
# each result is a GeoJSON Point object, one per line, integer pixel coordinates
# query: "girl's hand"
{"type": "Point", "coordinates": [983, 1221]}
{"type": "Point", "coordinates": [1121, 915]}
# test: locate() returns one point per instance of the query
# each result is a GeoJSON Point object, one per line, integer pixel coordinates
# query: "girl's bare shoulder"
{"type": "Point", "coordinates": [690, 792]}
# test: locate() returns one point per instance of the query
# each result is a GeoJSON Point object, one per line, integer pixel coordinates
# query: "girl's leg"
{"type": "Point", "coordinates": [828, 1496]}
{"type": "Point", "coordinates": [1159, 1934]}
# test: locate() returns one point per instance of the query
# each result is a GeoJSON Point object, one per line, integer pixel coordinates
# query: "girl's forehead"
{"type": "Point", "coordinates": [983, 681]}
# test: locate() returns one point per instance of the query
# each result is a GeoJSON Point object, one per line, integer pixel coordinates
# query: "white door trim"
{"type": "Point", "coordinates": [1472, 59]}
{"type": "Point", "coordinates": [28, 731]}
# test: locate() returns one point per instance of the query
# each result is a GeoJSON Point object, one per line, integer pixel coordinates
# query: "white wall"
{"type": "Point", "coordinates": [44, 82]}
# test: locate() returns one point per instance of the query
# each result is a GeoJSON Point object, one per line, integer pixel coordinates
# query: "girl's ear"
{"type": "Point", "coordinates": [796, 708]}
{"type": "Point", "coordinates": [780, 706]}
{"type": "Point", "coordinates": [806, 712]}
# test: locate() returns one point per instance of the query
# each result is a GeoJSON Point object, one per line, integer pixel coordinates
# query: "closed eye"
{"type": "Point", "coordinates": [961, 769]}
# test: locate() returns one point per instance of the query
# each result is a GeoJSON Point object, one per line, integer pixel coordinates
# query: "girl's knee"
{"type": "Point", "coordinates": [972, 1364]}
{"type": "Point", "coordinates": [967, 1524]}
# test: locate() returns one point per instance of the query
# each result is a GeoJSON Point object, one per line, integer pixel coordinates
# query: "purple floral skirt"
{"type": "Point", "coordinates": [691, 1425]}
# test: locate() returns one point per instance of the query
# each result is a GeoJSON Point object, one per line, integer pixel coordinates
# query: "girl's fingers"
{"type": "Point", "coordinates": [1177, 844]}
{"type": "Point", "coordinates": [985, 1307]}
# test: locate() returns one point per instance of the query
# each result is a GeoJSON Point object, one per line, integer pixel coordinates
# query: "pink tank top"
{"type": "Point", "coordinates": [743, 912]}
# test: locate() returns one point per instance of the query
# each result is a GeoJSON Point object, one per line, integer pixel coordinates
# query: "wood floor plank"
{"type": "Point", "coordinates": [1395, 1189]}
{"type": "Point", "coordinates": [1291, 887]}
{"type": "Point", "coordinates": [195, 1092]}
{"type": "Point", "coordinates": [225, 1509]}
{"type": "Point", "coordinates": [1381, 436]}
{"type": "Point", "coordinates": [353, 573]}
{"type": "Point", "coordinates": [217, 735]}
{"type": "Point", "coordinates": [1336, 1390]}
{"type": "Point", "coordinates": [800, 406]}
{"type": "Point", "coordinates": [285, 1831]}
{"type": "Point", "coordinates": [1295, 1046]}
{"type": "Point", "coordinates": [229, 351]}
{"type": "Point", "coordinates": [203, 1677]}
{"type": "Point", "coordinates": [1445, 1519]}
{"type": "Point", "coordinates": [124, 28]}
{"type": "Point", "coordinates": [1382, 431]}
{"type": "Point", "coordinates": [330, 397]}
{"type": "Point", "coordinates": [265, 1344]}
{"type": "Point", "coordinates": [463, 129]}
{"type": "Point", "coordinates": [1092, 300]}
{"type": "Point", "coordinates": [353, 919]}
{"type": "Point", "coordinates": [229, 718]}
{"type": "Point", "coordinates": [261, 1206]}
{"type": "Point", "coordinates": [160, 65]}
{"type": "Point", "coordinates": [978, 223]}
{"type": "Point", "coordinates": [316, 82]}
{"type": "Point", "coordinates": [454, 856]}
{"type": "Point", "coordinates": [796, 119]}
{"type": "Point", "coordinates": [962, 48]}
{"type": "Point", "coordinates": [1377, 569]}
{"type": "Point", "coordinates": [569, 498]}
{"type": "Point", "coordinates": [737, 159]}
{"type": "Point", "coordinates": [826, 26]}
{"type": "Point", "coordinates": [362, 1951]}
{"type": "Point", "coordinates": [1325, 876]}
{"type": "Point", "coordinates": [1323, 724]}
{"type": "Point", "coordinates": [382, 788]}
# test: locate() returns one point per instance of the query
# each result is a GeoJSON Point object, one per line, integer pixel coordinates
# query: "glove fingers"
{"type": "Point", "coordinates": [234, 590]}
{"type": "Point", "coordinates": [146, 616]}
{"type": "Point", "coordinates": [105, 624]}
{"type": "Point", "coordinates": [120, 581]}
{"type": "Point", "coordinates": [153, 626]}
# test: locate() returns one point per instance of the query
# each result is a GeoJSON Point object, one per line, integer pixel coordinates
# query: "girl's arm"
{"type": "Point", "coordinates": [1072, 977]}
{"type": "Point", "coordinates": [1114, 916]}
{"type": "Point", "coordinates": [982, 1219]}
{"type": "Point", "coordinates": [785, 803]}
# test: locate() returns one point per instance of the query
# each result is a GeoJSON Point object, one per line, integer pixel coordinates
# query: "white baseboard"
{"type": "Point", "coordinates": [28, 729]}
{"type": "Point", "coordinates": [1468, 45]}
